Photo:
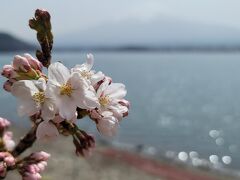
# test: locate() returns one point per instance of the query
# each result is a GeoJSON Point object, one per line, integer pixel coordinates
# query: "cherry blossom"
{"type": "Point", "coordinates": [70, 91]}
{"type": "Point", "coordinates": [85, 71]}
{"type": "Point", "coordinates": [33, 98]}
{"type": "Point", "coordinates": [110, 96]}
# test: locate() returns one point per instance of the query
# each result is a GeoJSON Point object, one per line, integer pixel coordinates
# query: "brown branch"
{"type": "Point", "coordinates": [25, 142]}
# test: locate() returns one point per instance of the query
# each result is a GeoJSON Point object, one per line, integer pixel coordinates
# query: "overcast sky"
{"type": "Point", "coordinates": [74, 15]}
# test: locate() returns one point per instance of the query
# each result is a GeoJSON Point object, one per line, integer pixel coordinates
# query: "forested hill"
{"type": "Point", "coordinates": [11, 43]}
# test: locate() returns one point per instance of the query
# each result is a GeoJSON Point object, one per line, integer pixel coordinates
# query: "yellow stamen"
{"type": "Point", "coordinates": [104, 100]}
{"type": "Point", "coordinates": [39, 97]}
{"type": "Point", "coordinates": [66, 89]}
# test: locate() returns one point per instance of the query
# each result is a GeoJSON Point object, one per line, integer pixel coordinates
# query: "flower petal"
{"type": "Point", "coordinates": [108, 126]}
{"type": "Point", "coordinates": [86, 101]}
{"type": "Point", "coordinates": [103, 87]}
{"type": "Point", "coordinates": [90, 61]}
{"type": "Point", "coordinates": [67, 107]}
{"type": "Point", "coordinates": [52, 90]}
{"type": "Point", "coordinates": [91, 100]}
{"type": "Point", "coordinates": [48, 110]}
{"type": "Point", "coordinates": [99, 76]}
{"type": "Point", "coordinates": [85, 66]}
{"type": "Point", "coordinates": [77, 82]}
{"type": "Point", "coordinates": [46, 130]}
{"type": "Point", "coordinates": [116, 91]}
{"type": "Point", "coordinates": [24, 89]}
{"type": "Point", "coordinates": [58, 72]}
{"type": "Point", "coordinates": [118, 110]}
{"type": "Point", "coordinates": [40, 84]}
{"type": "Point", "coordinates": [82, 95]}
{"type": "Point", "coordinates": [27, 107]}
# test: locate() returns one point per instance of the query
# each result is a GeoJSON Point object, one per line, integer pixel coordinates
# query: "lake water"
{"type": "Point", "coordinates": [180, 102]}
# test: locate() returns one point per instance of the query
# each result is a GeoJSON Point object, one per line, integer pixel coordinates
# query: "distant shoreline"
{"type": "Point", "coordinates": [151, 49]}
{"type": "Point", "coordinates": [164, 49]}
{"type": "Point", "coordinates": [10, 43]}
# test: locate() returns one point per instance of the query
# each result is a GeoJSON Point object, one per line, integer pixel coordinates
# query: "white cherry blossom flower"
{"type": "Point", "coordinates": [110, 96]}
{"type": "Point", "coordinates": [34, 98]}
{"type": "Point", "coordinates": [85, 71]}
{"type": "Point", "coordinates": [70, 91]}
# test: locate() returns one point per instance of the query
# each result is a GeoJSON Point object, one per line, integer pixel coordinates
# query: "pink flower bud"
{"type": "Point", "coordinates": [42, 165]}
{"type": "Point", "coordinates": [32, 176]}
{"type": "Point", "coordinates": [4, 123]}
{"type": "Point", "coordinates": [40, 156]}
{"type": "Point", "coordinates": [21, 64]}
{"type": "Point", "coordinates": [8, 141]}
{"type": "Point", "coordinates": [31, 168]}
{"type": "Point", "coordinates": [36, 168]}
{"type": "Point", "coordinates": [3, 155]}
{"type": "Point", "coordinates": [7, 86]}
{"type": "Point", "coordinates": [3, 169]}
{"type": "Point", "coordinates": [34, 63]}
{"type": "Point", "coordinates": [10, 160]}
{"type": "Point", "coordinates": [9, 72]}
{"type": "Point", "coordinates": [7, 158]}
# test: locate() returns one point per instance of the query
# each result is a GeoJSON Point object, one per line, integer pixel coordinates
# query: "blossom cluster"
{"type": "Point", "coordinates": [31, 166]}
{"type": "Point", "coordinates": [6, 161]}
{"type": "Point", "coordinates": [57, 96]}
{"type": "Point", "coordinates": [22, 68]}
{"type": "Point", "coordinates": [54, 101]}
{"type": "Point", "coordinates": [7, 144]}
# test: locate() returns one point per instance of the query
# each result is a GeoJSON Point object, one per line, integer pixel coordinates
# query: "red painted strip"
{"type": "Point", "coordinates": [152, 167]}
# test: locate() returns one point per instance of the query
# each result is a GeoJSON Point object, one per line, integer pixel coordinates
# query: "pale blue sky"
{"type": "Point", "coordinates": [75, 15]}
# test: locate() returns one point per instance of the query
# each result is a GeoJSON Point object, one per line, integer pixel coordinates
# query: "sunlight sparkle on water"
{"type": "Point", "coordinates": [214, 133]}
{"type": "Point", "coordinates": [227, 160]}
{"type": "Point", "coordinates": [219, 141]}
{"type": "Point", "coordinates": [214, 159]}
{"type": "Point", "coordinates": [193, 154]}
{"type": "Point", "coordinates": [183, 156]}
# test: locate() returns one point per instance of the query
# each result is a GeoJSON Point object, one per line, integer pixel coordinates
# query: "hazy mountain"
{"type": "Point", "coordinates": [158, 32]}
{"type": "Point", "coordinates": [11, 43]}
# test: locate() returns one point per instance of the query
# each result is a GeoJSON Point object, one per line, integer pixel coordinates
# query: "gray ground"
{"type": "Point", "coordinates": [64, 165]}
